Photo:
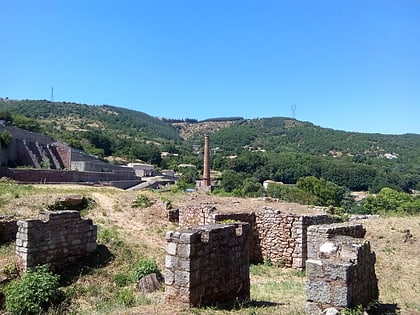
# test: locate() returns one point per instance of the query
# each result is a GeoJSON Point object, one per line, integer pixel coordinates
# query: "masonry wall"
{"type": "Point", "coordinates": [255, 253]}
{"type": "Point", "coordinates": [207, 265]}
{"type": "Point", "coordinates": [190, 216]}
{"type": "Point", "coordinates": [319, 234]}
{"type": "Point", "coordinates": [276, 236]}
{"type": "Point", "coordinates": [343, 275]}
{"type": "Point", "coordinates": [283, 236]}
{"type": "Point", "coordinates": [57, 237]}
{"type": "Point", "coordinates": [8, 228]}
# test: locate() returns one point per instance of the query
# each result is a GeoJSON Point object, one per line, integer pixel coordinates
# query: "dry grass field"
{"type": "Point", "coordinates": [127, 234]}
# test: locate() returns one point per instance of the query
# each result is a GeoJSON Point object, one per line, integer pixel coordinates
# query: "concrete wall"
{"type": "Point", "coordinates": [59, 176]}
{"type": "Point", "coordinates": [57, 237]}
{"type": "Point", "coordinates": [207, 265]}
{"type": "Point", "coordinates": [343, 275]}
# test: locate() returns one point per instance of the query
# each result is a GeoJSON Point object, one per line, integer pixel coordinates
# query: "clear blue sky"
{"type": "Point", "coordinates": [347, 64]}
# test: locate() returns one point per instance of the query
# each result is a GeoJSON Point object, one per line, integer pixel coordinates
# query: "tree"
{"type": "Point", "coordinates": [252, 187]}
{"type": "Point", "coordinates": [5, 138]}
{"type": "Point", "coordinates": [328, 193]}
{"type": "Point", "coordinates": [391, 201]}
{"type": "Point", "coordinates": [231, 180]}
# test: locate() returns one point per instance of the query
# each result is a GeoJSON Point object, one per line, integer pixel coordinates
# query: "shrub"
{"type": "Point", "coordinates": [122, 279]}
{"type": "Point", "coordinates": [145, 267]}
{"type": "Point", "coordinates": [32, 294]}
{"type": "Point", "coordinates": [126, 297]}
{"type": "Point", "coordinates": [142, 201]}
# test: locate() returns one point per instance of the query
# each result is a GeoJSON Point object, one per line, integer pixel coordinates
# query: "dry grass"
{"type": "Point", "coordinates": [134, 233]}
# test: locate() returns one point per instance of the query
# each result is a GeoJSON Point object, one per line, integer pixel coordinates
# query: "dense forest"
{"type": "Point", "coordinates": [246, 153]}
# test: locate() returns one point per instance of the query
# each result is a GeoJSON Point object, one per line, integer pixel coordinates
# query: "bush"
{"type": "Point", "coordinates": [142, 201]}
{"type": "Point", "coordinates": [35, 292]}
{"type": "Point", "coordinates": [145, 267]}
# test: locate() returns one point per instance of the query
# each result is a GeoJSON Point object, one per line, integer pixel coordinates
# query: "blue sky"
{"type": "Point", "coordinates": [350, 64]}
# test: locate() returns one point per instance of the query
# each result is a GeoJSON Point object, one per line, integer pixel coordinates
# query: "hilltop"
{"type": "Point", "coordinates": [278, 148]}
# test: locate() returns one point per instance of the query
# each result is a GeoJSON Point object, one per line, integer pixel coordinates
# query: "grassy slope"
{"type": "Point", "coordinates": [134, 233]}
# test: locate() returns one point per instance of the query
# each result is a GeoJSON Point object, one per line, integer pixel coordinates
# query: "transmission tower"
{"type": "Point", "coordinates": [293, 108]}
{"type": "Point", "coordinates": [52, 94]}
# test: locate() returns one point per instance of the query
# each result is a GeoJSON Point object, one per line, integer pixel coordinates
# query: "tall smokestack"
{"type": "Point", "coordinates": [206, 170]}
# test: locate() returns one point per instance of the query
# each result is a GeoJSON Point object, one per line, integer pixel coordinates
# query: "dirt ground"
{"type": "Point", "coordinates": [397, 251]}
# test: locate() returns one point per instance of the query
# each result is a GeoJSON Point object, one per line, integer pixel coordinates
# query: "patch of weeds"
{"type": "Point", "coordinates": [126, 297]}
{"type": "Point", "coordinates": [109, 236]}
{"type": "Point", "coordinates": [300, 273]}
{"type": "Point", "coordinates": [11, 271]}
{"type": "Point", "coordinates": [145, 267]}
{"type": "Point", "coordinates": [388, 250]}
{"type": "Point", "coordinates": [122, 279]}
{"type": "Point", "coordinates": [167, 202]}
{"type": "Point", "coordinates": [143, 300]}
{"type": "Point", "coordinates": [142, 201]}
{"type": "Point", "coordinates": [358, 310]}
{"type": "Point", "coordinates": [268, 262]}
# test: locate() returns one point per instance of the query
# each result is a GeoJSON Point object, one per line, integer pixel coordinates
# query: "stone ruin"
{"type": "Point", "coordinates": [274, 235]}
{"type": "Point", "coordinates": [208, 264]}
{"type": "Point", "coordinates": [342, 276]}
{"type": "Point", "coordinates": [56, 237]}
{"type": "Point", "coordinates": [339, 264]}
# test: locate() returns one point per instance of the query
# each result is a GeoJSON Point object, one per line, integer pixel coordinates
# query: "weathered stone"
{"type": "Point", "coordinates": [210, 271]}
{"type": "Point", "coordinates": [57, 238]}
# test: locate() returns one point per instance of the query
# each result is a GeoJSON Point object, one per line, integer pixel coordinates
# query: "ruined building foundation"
{"type": "Point", "coordinates": [208, 264]}
{"type": "Point", "coordinates": [57, 237]}
{"type": "Point", "coordinates": [342, 275]}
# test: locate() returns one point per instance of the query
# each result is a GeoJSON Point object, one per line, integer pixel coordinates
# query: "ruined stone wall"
{"type": "Point", "coordinates": [283, 236]}
{"type": "Point", "coordinates": [190, 216]}
{"type": "Point", "coordinates": [343, 275]}
{"type": "Point", "coordinates": [57, 237]}
{"type": "Point", "coordinates": [276, 236]}
{"type": "Point", "coordinates": [319, 234]}
{"type": "Point", "coordinates": [8, 228]}
{"type": "Point", "coordinates": [255, 254]}
{"type": "Point", "coordinates": [208, 264]}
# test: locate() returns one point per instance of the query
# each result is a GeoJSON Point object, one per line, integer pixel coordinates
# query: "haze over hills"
{"type": "Point", "coordinates": [282, 149]}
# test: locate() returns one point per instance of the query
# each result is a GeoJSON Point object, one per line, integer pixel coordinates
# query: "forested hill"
{"type": "Point", "coordinates": [111, 119]}
{"type": "Point", "coordinates": [286, 134]}
{"type": "Point", "coordinates": [276, 148]}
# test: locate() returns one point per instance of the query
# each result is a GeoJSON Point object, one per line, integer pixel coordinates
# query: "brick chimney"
{"type": "Point", "coordinates": [206, 170]}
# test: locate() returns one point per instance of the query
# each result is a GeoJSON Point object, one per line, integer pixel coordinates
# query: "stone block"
{"type": "Point", "coordinates": [318, 291]}
{"type": "Point", "coordinates": [171, 248]}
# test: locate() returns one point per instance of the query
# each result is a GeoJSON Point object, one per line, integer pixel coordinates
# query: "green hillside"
{"type": "Point", "coordinates": [277, 148]}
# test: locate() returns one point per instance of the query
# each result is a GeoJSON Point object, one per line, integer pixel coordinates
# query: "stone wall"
{"type": "Point", "coordinates": [8, 228]}
{"type": "Point", "coordinates": [319, 234]}
{"type": "Point", "coordinates": [255, 253]}
{"type": "Point", "coordinates": [343, 275]}
{"type": "Point", "coordinates": [208, 264]}
{"type": "Point", "coordinates": [283, 236]}
{"type": "Point", "coordinates": [57, 237]}
{"type": "Point", "coordinates": [190, 216]}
